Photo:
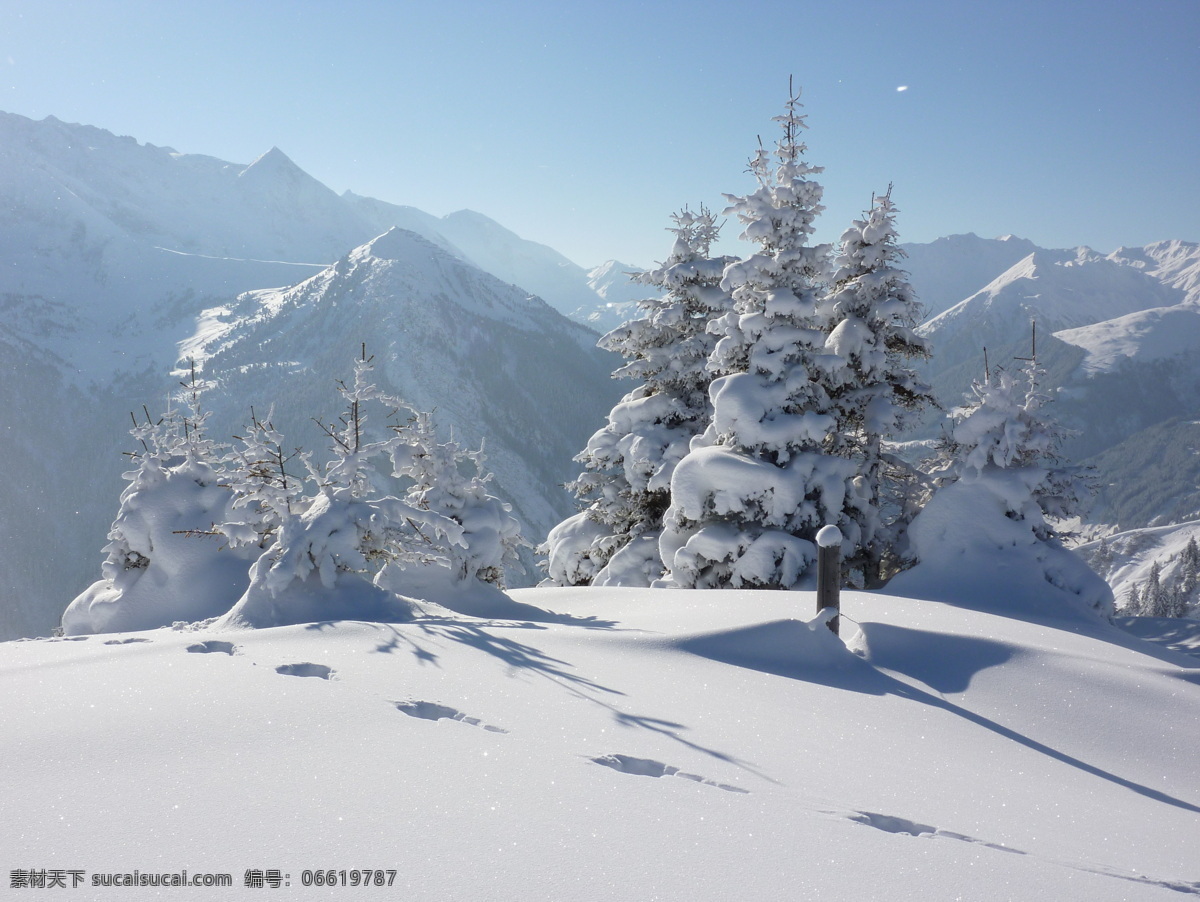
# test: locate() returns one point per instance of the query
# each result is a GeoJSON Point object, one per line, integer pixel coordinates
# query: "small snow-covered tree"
{"type": "Point", "coordinates": [166, 558]}
{"type": "Point", "coordinates": [629, 462]}
{"type": "Point", "coordinates": [1004, 427]}
{"type": "Point", "coordinates": [873, 315]}
{"type": "Point", "coordinates": [1102, 558]}
{"type": "Point", "coordinates": [1133, 602]}
{"type": "Point", "coordinates": [987, 535]}
{"type": "Point", "coordinates": [331, 543]}
{"type": "Point", "coordinates": [752, 493]}
{"type": "Point", "coordinates": [268, 485]}
{"type": "Point", "coordinates": [1189, 577]}
{"type": "Point", "coordinates": [450, 482]}
{"type": "Point", "coordinates": [1155, 597]}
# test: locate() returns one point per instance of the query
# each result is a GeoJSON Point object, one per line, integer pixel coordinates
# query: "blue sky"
{"type": "Point", "coordinates": [584, 125]}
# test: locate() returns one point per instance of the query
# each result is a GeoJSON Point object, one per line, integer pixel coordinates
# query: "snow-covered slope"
{"type": "Point", "coordinates": [950, 269]}
{"type": "Point", "coordinates": [1060, 289]}
{"type": "Point", "coordinates": [1125, 559]}
{"type": "Point", "coordinates": [492, 362]}
{"type": "Point", "coordinates": [640, 745]}
{"type": "Point", "coordinates": [1147, 336]}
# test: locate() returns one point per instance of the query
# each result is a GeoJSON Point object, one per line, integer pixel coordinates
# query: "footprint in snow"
{"type": "Point", "coordinates": [648, 767]}
{"type": "Point", "coordinates": [889, 824]}
{"type": "Point", "coordinates": [210, 646]}
{"type": "Point", "coordinates": [904, 827]}
{"type": "Point", "coordinates": [306, 670]}
{"type": "Point", "coordinates": [432, 711]}
{"type": "Point", "coordinates": [126, 641]}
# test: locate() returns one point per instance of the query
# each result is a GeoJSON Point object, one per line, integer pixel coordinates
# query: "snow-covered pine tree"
{"type": "Point", "coordinates": [268, 486]}
{"type": "Point", "coordinates": [1189, 576]}
{"type": "Point", "coordinates": [1133, 602]}
{"type": "Point", "coordinates": [629, 462]}
{"type": "Point", "coordinates": [1155, 597]}
{"type": "Point", "coordinates": [998, 495]}
{"type": "Point", "coordinates": [1004, 428]}
{"type": "Point", "coordinates": [1102, 558]}
{"type": "Point", "coordinates": [873, 313]}
{"type": "Point", "coordinates": [1177, 601]}
{"type": "Point", "coordinates": [750, 496]}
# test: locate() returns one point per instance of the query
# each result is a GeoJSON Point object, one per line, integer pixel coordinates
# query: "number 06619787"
{"type": "Point", "coordinates": [355, 877]}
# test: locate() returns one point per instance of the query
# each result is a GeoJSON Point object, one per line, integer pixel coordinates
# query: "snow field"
{"type": "Point", "coordinates": [709, 745]}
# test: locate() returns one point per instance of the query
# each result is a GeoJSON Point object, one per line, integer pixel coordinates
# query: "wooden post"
{"type": "Point", "coordinates": [829, 572]}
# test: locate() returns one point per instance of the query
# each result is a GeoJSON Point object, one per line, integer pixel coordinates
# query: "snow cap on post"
{"type": "Point", "coordinates": [829, 537]}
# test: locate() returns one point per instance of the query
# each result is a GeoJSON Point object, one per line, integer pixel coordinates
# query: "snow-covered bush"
{"type": "Point", "coordinates": [166, 558]}
{"type": "Point", "coordinates": [1003, 426]}
{"type": "Point", "coordinates": [971, 551]}
{"type": "Point", "coordinates": [628, 463]}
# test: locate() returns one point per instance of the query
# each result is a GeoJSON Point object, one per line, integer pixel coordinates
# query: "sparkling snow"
{"type": "Point", "coordinates": [639, 744]}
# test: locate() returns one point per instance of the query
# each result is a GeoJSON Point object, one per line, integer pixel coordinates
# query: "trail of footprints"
{"type": "Point", "coordinates": [301, 669]}
{"type": "Point", "coordinates": [648, 767]}
{"type": "Point", "coordinates": [433, 711]}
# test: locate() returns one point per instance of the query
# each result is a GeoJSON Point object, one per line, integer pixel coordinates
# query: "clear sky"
{"type": "Point", "coordinates": [584, 125]}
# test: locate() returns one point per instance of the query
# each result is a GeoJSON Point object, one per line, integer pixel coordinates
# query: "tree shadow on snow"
{"type": "Point", "coordinates": [522, 657]}
{"type": "Point", "coordinates": [792, 649]}
{"type": "Point", "coordinates": [480, 636]}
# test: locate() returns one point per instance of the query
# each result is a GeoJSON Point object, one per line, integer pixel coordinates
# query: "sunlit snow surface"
{"type": "Point", "coordinates": [637, 744]}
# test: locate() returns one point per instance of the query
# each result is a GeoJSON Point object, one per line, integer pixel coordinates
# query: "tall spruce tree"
{"type": "Point", "coordinates": [873, 315]}
{"type": "Point", "coordinates": [629, 462]}
{"type": "Point", "coordinates": [750, 496]}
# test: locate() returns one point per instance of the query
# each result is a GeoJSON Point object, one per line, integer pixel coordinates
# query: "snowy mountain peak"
{"type": "Point", "coordinates": [611, 280]}
{"type": "Point", "coordinates": [275, 164]}
{"type": "Point", "coordinates": [397, 244]}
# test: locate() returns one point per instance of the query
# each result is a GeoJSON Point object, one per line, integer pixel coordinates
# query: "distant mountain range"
{"type": "Point", "coordinates": [119, 260]}
{"type": "Point", "coordinates": [1118, 336]}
